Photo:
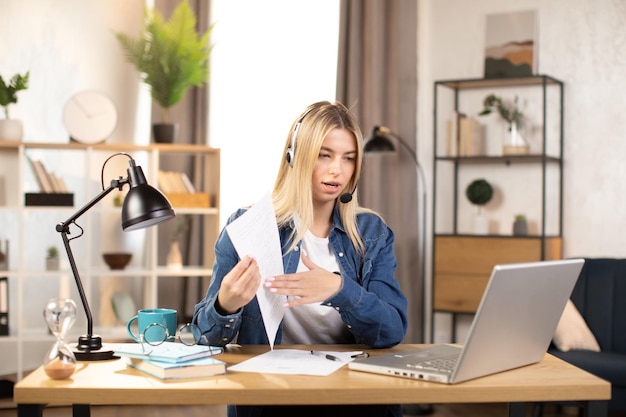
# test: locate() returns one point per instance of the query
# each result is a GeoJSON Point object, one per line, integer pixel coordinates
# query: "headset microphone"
{"type": "Point", "coordinates": [347, 197]}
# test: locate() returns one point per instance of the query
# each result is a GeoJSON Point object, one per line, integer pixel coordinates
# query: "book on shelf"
{"type": "Point", "coordinates": [175, 182]}
{"type": "Point", "coordinates": [48, 182]}
{"type": "Point", "coordinates": [196, 368]}
{"type": "Point", "coordinates": [170, 352]}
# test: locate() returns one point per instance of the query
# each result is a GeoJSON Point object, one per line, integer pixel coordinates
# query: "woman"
{"type": "Point", "coordinates": [338, 258]}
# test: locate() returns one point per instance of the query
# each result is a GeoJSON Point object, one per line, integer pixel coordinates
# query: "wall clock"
{"type": "Point", "coordinates": [90, 117]}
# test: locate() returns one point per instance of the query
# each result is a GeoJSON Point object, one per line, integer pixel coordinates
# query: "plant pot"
{"type": "Point", "coordinates": [520, 228]}
{"type": "Point", "coordinates": [52, 264]}
{"type": "Point", "coordinates": [481, 224]}
{"type": "Point", "coordinates": [11, 129]}
{"type": "Point", "coordinates": [164, 132]}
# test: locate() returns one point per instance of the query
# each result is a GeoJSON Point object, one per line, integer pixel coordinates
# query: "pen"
{"type": "Point", "coordinates": [327, 356]}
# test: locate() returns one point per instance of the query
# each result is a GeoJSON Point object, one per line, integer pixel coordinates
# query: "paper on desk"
{"type": "Point", "coordinates": [255, 234]}
{"type": "Point", "coordinates": [295, 362]}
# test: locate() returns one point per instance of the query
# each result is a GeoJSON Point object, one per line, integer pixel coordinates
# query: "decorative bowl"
{"type": "Point", "coordinates": [117, 260]}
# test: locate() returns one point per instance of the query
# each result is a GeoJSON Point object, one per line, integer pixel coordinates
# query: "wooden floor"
{"type": "Point", "coordinates": [460, 410]}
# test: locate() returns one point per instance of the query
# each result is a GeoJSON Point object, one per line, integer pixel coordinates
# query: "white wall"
{"type": "Point", "coordinates": [581, 42]}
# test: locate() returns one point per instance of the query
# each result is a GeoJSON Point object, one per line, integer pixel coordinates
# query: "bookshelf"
{"type": "Point", "coordinates": [30, 230]}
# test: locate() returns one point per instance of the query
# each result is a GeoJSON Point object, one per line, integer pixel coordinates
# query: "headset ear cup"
{"type": "Point", "coordinates": [289, 156]}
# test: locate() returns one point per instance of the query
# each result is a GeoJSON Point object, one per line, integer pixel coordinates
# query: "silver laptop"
{"type": "Point", "coordinates": [513, 327]}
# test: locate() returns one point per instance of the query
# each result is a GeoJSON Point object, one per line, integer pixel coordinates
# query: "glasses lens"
{"type": "Point", "coordinates": [155, 334]}
{"type": "Point", "coordinates": [189, 334]}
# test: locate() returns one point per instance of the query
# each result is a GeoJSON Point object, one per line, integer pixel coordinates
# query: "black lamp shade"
{"type": "Point", "coordinates": [144, 206]}
{"type": "Point", "coordinates": [378, 143]}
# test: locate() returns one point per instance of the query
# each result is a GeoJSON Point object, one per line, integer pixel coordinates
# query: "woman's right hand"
{"type": "Point", "coordinates": [239, 286]}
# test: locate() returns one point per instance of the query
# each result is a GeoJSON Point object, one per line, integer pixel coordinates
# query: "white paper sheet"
{"type": "Point", "coordinates": [255, 233]}
{"type": "Point", "coordinates": [295, 362]}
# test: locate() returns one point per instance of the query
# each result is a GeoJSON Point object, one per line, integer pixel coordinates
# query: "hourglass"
{"type": "Point", "coordinates": [60, 314]}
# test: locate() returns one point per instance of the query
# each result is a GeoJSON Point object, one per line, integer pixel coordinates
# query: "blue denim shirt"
{"type": "Point", "coordinates": [369, 302]}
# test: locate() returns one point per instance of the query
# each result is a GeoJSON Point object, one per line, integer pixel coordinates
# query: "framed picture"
{"type": "Point", "coordinates": [510, 45]}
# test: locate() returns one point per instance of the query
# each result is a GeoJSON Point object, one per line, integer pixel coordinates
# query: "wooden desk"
{"type": "Point", "coordinates": [112, 382]}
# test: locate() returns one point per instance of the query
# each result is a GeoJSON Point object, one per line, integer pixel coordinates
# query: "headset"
{"type": "Point", "coordinates": [290, 156]}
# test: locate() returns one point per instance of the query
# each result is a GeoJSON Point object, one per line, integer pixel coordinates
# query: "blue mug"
{"type": "Point", "coordinates": [155, 324]}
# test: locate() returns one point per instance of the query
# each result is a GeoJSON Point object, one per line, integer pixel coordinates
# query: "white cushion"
{"type": "Point", "coordinates": [573, 333]}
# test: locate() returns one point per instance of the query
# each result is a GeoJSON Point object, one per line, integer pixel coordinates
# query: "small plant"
{"type": "Point", "coordinates": [479, 192]}
{"type": "Point", "coordinates": [53, 252]}
{"type": "Point", "coordinates": [181, 227]}
{"type": "Point", "coordinates": [507, 111]}
{"type": "Point", "coordinates": [171, 55]}
{"type": "Point", "coordinates": [520, 218]}
{"type": "Point", "coordinates": [8, 92]}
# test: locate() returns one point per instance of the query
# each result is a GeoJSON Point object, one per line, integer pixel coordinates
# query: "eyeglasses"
{"type": "Point", "coordinates": [188, 334]}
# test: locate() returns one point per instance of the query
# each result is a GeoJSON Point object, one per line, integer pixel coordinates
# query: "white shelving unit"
{"type": "Point", "coordinates": [30, 230]}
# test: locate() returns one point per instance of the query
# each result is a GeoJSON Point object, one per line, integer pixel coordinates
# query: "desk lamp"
{"type": "Point", "coordinates": [379, 142]}
{"type": "Point", "coordinates": [144, 206]}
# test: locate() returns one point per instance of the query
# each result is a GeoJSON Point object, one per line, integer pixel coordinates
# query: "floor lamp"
{"type": "Point", "coordinates": [379, 142]}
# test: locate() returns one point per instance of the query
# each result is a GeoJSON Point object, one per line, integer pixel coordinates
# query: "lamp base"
{"type": "Point", "coordinates": [101, 354]}
{"type": "Point", "coordinates": [89, 348]}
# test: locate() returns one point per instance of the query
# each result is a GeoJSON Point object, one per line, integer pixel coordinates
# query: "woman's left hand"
{"type": "Point", "coordinates": [314, 285]}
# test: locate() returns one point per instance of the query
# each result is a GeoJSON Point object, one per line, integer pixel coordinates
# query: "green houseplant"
{"type": "Point", "coordinates": [479, 192]}
{"type": "Point", "coordinates": [171, 56]}
{"type": "Point", "coordinates": [510, 112]}
{"type": "Point", "coordinates": [11, 129]}
{"type": "Point", "coordinates": [52, 258]}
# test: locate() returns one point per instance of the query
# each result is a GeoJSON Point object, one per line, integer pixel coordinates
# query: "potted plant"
{"type": "Point", "coordinates": [515, 143]}
{"type": "Point", "coordinates": [520, 225]}
{"type": "Point", "coordinates": [171, 56]}
{"type": "Point", "coordinates": [11, 129]}
{"type": "Point", "coordinates": [52, 259]}
{"type": "Point", "coordinates": [479, 192]}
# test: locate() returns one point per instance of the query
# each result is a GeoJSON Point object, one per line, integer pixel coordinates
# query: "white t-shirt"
{"type": "Point", "coordinates": [315, 323]}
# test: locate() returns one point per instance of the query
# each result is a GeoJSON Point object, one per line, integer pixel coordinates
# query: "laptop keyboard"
{"type": "Point", "coordinates": [441, 364]}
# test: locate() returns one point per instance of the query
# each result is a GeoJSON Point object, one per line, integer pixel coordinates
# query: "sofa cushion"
{"type": "Point", "coordinates": [606, 365]}
{"type": "Point", "coordinates": [573, 333]}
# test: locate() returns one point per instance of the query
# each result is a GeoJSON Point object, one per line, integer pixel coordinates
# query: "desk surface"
{"type": "Point", "coordinates": [112, 382]}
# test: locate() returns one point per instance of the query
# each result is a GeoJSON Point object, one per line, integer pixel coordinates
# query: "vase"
{"type": "Point", "coordinates": [11, 129]}
{"type": "Point", "coordinates": [514, 142]}
{"type": "Point", "coordinates": [174, 257]}
{"type": "Point", "coordinates": [165, 132]}
{"type": "Point", "coordinates": [481, 224]}
{"type": "Point", "coordinates": [52, 264]}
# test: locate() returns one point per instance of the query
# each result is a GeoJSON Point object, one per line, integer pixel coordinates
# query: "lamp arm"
{"type": "Point", "coordinates": [64, 229]}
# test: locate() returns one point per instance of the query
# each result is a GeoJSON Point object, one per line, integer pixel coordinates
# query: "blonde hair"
{"type": "Point", "coordinates": [292, 195]}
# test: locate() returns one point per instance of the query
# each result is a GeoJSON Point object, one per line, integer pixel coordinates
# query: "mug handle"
{"type": "Point", "coordinates": [130, 332]}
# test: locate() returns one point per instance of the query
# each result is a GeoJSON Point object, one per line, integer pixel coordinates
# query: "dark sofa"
{"type": "Point", "coordinates": [600, 297]}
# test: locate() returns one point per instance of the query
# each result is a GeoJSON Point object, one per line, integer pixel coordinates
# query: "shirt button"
{"type": "Point", "coordinates": [337, 308]}
{"type": "Point", "coordinates": [296, 249]}
{"type": "Point", "coordinates": [349, 327]}
{"type": "Point", "coordinates": [341, 254]}
{"type": "Point", "coordinates": [231, 320]}
{"type": "Point", "coordinates": [224, 339]}
{"type": "Point", "coordinates": [329, 304]}
{"type": "Point", "coordinates": [227, 326]}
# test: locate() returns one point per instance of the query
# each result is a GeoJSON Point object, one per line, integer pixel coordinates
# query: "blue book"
{"type": "Point", "coordinates": [169, 352]}
{"type": "Point", "coordinates": [196, 368]}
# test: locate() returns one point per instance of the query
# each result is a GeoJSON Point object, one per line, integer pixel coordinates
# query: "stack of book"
{"type": "Point", "coordinates": [171, 360]}
{"type": "Point", "coordinates": [180, 190]}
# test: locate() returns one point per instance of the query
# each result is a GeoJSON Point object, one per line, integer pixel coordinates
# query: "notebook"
{"type": "Point", "coordinates": [513, 327]}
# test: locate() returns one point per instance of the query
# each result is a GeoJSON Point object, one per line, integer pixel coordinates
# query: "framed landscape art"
{"type": "Point", "coordinates": [510, 45]}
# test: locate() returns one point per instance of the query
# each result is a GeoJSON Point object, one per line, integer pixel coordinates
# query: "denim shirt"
{"type": "Point", "coordinates": [369, 301]}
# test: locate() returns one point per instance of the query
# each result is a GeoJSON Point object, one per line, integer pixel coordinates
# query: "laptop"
{"type": "Point", "coordinates": [513, 326]}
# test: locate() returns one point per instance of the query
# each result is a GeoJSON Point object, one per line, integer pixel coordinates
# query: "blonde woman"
{"type": "Point", "coordinates": [338, 258]}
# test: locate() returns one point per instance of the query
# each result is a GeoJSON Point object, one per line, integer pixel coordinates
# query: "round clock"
{"type": "Point", "coordinates": [90, 117]}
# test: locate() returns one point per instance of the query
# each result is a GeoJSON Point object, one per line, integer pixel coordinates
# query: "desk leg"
{"type": "Point", "coordinates": [597, 409]}
{"type": "Point", "coordinates": [517, 409]}
{"type": "Point", "coordinates": [30, 410]}
{"type": "Point", "coordinates": [81, 410]}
